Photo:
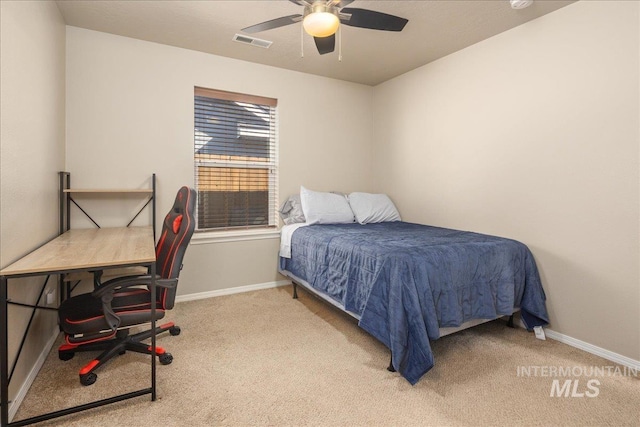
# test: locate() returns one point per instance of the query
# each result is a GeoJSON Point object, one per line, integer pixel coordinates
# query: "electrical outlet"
{"type": "Point", "coordinates": [51, 296]}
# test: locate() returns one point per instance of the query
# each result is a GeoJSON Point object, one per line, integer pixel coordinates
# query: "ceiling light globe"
{"type": "Point", "coordinates": [321, 24]}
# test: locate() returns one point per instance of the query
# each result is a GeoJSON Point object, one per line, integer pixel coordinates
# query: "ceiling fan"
{"type": "Point", "coordinates": [321, 19]}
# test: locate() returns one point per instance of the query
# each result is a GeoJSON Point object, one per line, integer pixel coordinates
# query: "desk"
{"type": "Point", "coordinates": [78, 250]}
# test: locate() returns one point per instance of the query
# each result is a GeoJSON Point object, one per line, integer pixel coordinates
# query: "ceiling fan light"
{"type": "Point", "coordinates": [321, 24]}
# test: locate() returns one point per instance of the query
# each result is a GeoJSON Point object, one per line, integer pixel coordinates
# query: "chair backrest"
{"type": "Point", "coordinates": [177, 230]}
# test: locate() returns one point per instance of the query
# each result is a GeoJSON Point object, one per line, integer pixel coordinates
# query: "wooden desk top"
{"type": "Point", "coordinates": [83, 249]}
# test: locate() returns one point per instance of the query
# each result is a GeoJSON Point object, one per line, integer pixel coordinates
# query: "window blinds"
{"type": "Point", "coordinates": [235, 158]}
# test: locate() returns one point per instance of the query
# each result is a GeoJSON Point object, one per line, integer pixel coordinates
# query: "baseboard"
{"type": "Point", "coordinates": [26, 385]}
{"type": "Point", "coordinates": [590, 348]}
{"type": "Point", "coordinates": [231, 291]}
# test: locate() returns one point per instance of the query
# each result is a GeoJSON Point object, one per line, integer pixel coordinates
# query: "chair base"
{"type": "Point", "coordinates": [116, 346]}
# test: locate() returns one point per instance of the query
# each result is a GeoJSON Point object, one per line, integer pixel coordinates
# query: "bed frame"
{"type": "Point", "coordinates": [296, 281]}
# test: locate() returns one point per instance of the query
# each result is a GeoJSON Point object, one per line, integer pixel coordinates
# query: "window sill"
{"type": "Point", "coordinates": [208, 237]}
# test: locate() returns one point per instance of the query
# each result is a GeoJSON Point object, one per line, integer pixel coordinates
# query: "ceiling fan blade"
{"type": "Point", "coordinates": [325, 44]}
{"type": "Point", "coordinates": [340, 3]}
{"type": "Point", "coordinates": [373, 20]}
{"type": "Point", "coordinates": [300, 2]}
{"type": "Point", "coordinates": [274, 23]}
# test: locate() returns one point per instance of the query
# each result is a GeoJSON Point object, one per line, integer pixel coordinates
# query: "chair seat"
{"type": "Point", "coordinates": [83, 313]}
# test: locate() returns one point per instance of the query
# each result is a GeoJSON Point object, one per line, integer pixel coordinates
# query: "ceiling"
{"type": "Point", "coordinates": [436, 28]}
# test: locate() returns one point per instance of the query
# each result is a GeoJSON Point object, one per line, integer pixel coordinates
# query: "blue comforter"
{"type": "Point", "coordinates": [406, 280]}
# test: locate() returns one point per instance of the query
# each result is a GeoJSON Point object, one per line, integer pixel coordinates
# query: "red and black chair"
{"type": "Point", "coordinates": [100, 320]}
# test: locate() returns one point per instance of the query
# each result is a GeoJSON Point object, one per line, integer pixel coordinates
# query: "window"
{"type": "Point", "coordinates": [235, 160]}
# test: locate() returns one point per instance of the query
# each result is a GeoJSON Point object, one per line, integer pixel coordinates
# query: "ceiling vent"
{"type": "Point", "coordinates": [520, 4]}
{"type": "Point", "coordinates": [241, 38]}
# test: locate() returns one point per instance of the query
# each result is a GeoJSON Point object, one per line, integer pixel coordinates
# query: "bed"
{"type": "Point", "coordinates": [407, 283]}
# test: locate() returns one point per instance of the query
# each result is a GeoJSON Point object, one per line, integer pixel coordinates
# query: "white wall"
{"type": "Point", "coordinates": [130, 113]}
{"type": "Point", "coordinates": [534, 135]}
{"type": "Point", "coordinates": [32, 37]}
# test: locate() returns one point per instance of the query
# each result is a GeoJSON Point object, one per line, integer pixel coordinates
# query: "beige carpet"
{"type": "Point", "coordinates": [262, 358]}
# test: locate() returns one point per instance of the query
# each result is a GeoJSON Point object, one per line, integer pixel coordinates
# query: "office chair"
{"type": "Point", "coordinates": [100, 320]}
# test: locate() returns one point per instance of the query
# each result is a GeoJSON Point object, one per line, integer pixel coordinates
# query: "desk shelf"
{"type": "Point", "coordinates": [66, 199]}
{"type": "Point", "coordinates": [107, 191]}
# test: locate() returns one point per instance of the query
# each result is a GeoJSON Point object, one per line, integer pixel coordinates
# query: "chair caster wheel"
{"type": "Point", "coordinates": [165, 358]}
{"type": "Point", "coordinates": [88, 379]}
{"type": "Point", "coordinates": [65, 355]}
{"type": "Point", "coordinates": [174, 330]}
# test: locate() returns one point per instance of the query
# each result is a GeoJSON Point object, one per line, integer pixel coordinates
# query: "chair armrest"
{"type": "Point", "coordinates": [125, 282]}
{"type": "Point", "coordinates": [104, 292]}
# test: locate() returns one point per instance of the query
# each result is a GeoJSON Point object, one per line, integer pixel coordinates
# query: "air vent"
{"type": "Point", "coordinates": [241, 38]}
{"type": "Point", "coordinates": [520, 4]}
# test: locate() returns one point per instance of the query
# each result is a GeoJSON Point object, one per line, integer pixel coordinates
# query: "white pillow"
{"type": "Point", "coordinates": [370, 208]}
{"type": "Point", "coordinates": [325, 208]}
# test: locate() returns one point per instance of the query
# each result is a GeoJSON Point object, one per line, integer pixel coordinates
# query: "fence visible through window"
{"type": "Point", "coordinates": [235, 158]}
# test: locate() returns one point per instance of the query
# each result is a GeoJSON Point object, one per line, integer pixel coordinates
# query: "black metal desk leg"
{"type": "Point", "coordinates": [153, 334]}
{"type": "Point", "coordinates": [4, 355]}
